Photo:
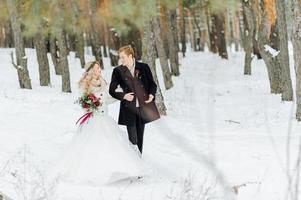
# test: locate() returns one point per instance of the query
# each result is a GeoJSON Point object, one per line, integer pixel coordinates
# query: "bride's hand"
{"type": "Point", "coordinates": [129, 96]}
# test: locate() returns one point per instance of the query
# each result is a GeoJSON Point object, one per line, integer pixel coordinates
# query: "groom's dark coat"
{"type": "Point", "coordinates": [141, 85]}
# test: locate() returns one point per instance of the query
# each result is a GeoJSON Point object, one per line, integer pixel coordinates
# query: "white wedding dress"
{"type": "Point", "coordinates": [100, 152]}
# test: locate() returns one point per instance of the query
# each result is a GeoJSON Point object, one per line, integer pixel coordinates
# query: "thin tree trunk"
{"type": "Point", "coordinates": [164, 26]}
{"type": "Point", "coordinates": [95, 33]}
{"type": "Point", "coordinates": [248, 36]}
{"type": "Point", "coordinates": [103, 38]}
{"type": "Point", "coordinates": [114, 45]}
{"type": "Point", "coordinates": [162, 55]}
{"type": "Point", "coordinates": [191, 30]}
{"type": "Point", "coordinates": [174, 21]}
{"type": "Point", "coordinates": [236, 34]}
{"type": "Point", "coordinates": [199, 45]}
{"type": "Point", "coordinates": [212, 31]}
{"type": "Point", "coordinates": [41, 49]}
{"type": "Point", "coordinates": [63, 61]}
{"type": "Point", "coordinates": [79, 43]}
{"type": "Point", "coordinates": [296, 40]}
{"type": "Point", "coordinates": [80, 48]}
{"type": "Point", "coordinates": [2, 36]}
{"type": "Point", "coordinates": [255, 9]}
{"type": "Point", "coordinates": [54, 54]}
{"type": "Point", "coordinates": [148, 56]}
{"type": "Point", "coordinates": [287, 89]}
{"type": "Point", "coordinates": [9, 40]}
{"type": "Point", "coordinates": [182, 27]}
{"type": "Point", "coordinates": [173, 49]}
{"type": "Point", "coordinates": [23, 75]}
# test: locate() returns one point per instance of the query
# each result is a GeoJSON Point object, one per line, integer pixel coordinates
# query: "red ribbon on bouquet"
{"type": "Point", "coordinates": [84, 118]}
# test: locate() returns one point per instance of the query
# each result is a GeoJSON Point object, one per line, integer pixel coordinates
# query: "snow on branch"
{"type": "Point", "coordinates": [270, 50]}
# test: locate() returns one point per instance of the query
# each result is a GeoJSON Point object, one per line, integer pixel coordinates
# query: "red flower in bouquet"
{"type": "Point", "coordinates": [89, 102]}
{"type": "Point", "coordinates": [85, 105]}
{"type": "Point", "coordinates": [93, 98]}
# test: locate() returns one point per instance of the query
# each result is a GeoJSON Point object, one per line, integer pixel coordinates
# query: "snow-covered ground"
{"type": "Point", "coordinates": [224, 132]}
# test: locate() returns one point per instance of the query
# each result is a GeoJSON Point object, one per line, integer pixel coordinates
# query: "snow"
{"type": "Point", "coordinates": [224, 132]}
{"type": "Point", "coordinates": [270, 50]}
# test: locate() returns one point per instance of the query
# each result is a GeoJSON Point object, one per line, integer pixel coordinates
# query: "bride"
{"type": "Point", "coordinates": [99, 153]}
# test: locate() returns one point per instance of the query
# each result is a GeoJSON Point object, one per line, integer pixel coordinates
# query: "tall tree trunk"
{"type": "Point", "coordinates": [23, 75]}
{"type": "Point", "coordinates": [271, 61]}
{"type": "Point", "coordinates": [148, 56]}
{"type": "Point", "coordinates": [79, 43]}
{"type": "Point", "coordinates": [9, 40]}
{"type": "Point", "coordinates": [276, 69]}
{"type": "Point", "coordinates": [63, 64]}
{"type": "Point", "coordinates": [212, 31]}
{"type": "Point", "coordinates": [220, 38]}
{"type": "Point", "coordinates": [54, 54]}
{"type": "Point", "coordinates": [2, 36]}
{"type": "Point", "coordinates": [103, 38]}
{"type": "Point", "coordinates": [162, 55]}
{"type": "Point", "coordinates": [287, 89]}
{"type": "Point", "coordinates": [174, 20]}
{"type": "Point", "coordinates": [248, 36]}
{"type": "Point", "coordinates": [173, 46]}
{"type": "Point", "coordinates": [63, 61]}
{"type": "Point", "coordinates": [236, 34]}
{"type": "Point", "coordinates": [41, 49]}
{"type": "Point", "coordinates": [182, 27]}
{"type": "Point", "coordinates": [296, 40]}
{"type": "Point", "coordinates": [255, 9]}
{"type": "Point", "coordinates": [114, 45]}
{"type": "Point", "coordinates": [95, 33]}
{"type": "Point", "coordinates": [191, 30]}
{"type": "Point", "coordinates": [200, 47]}
{"type": "Point", "coordinates": [164, 26]}
{"type": "Point", "coordinates": [80, 48]}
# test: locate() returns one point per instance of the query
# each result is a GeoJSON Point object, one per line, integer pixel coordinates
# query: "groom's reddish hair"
{"type": "Point", "coordinates": [128, 50]}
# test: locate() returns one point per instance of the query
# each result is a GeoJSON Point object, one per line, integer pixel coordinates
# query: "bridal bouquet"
{"type": "Point", "coordinates": [90, 103]}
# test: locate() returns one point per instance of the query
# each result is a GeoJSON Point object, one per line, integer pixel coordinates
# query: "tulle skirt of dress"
{"type": "Point", "coordinates": [99, 153]}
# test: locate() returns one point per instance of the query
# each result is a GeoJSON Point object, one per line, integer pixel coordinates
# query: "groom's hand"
{"type": "Point", "coordinates": [150, 98]}
{"type": "Point", "coordinates": [129, 96]}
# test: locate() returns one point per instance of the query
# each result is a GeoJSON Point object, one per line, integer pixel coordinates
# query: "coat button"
{"type": "Point", "coordinates": [100, 94]}
{"type": "Point", "coordinates": [102, 111]}
{"type": "Point", "coordinates": [142, 86]}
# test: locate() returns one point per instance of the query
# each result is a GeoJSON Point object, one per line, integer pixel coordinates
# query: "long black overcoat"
{"type": "Point", "coordinates": [142, 84]}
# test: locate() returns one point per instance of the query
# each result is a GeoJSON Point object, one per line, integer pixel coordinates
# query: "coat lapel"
{"type": "Point", "coordinates": [127, 77]}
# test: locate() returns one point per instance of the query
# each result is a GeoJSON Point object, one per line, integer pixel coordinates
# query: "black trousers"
{"type": "Point", "coordinates": [136, 131]}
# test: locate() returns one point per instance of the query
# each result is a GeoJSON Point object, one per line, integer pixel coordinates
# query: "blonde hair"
{"type": "Point", "coordinates": [84, 83]}
{"type": "Point", "coordinates": [128, 50]}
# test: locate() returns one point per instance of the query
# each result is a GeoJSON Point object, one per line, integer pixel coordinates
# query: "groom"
{"type": "Point", "coordinates": [136, 94]}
